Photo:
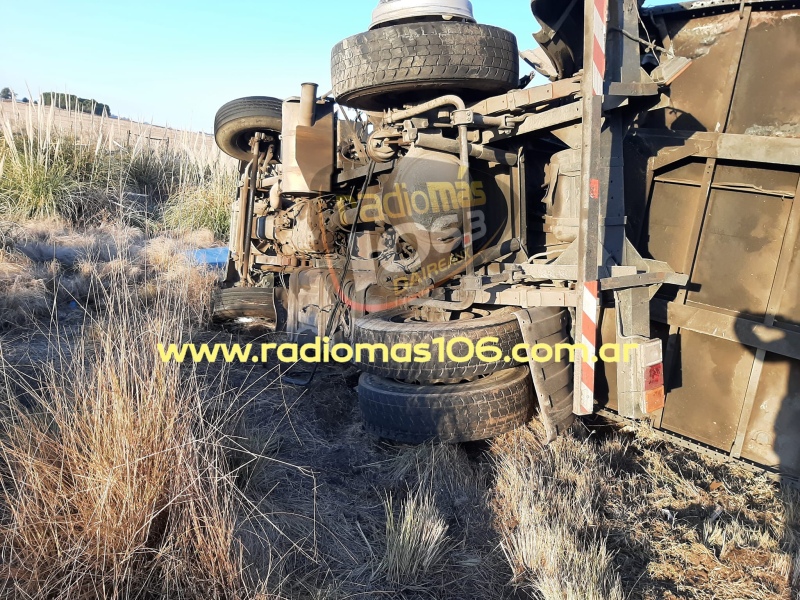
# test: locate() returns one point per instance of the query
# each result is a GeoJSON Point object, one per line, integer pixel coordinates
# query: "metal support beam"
{"type": "Point", "coordinates": [519, 99]}
{"type": "Point", "coordinates": [543, 121]}
{"type": "Point", "coordinates": [643, 280]}
{"type": "Point", "coordinates": [609, 61]}
{"type": "Point", "coordinates": [748, 332]}
{"type": "Point", "coordinates": [678, 145]}
{"type": "Point", "coordinates": [593, 164]}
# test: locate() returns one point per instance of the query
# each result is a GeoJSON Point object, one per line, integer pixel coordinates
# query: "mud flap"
{"type": "Point", "coordinates": [552, 379]}
{"type": "Point", "coordinates": [266, 301]}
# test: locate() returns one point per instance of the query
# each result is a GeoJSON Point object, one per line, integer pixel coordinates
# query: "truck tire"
{"type": "Point", "coordinates": [396, 326]}
{"type": "Point", "coordinates": [251, 302]}
{"type": "Point", "coordinates": [238, 120]}
{"type": "Point", "coordinates": [462, 412]}
{"type": "Point", "coordinates": [401, 64]}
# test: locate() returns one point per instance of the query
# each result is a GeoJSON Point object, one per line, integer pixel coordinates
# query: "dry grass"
{"type": "Point", "coordinates": [127, 478]}
{"type": "Point", "coordinates": [48, 268]}
{"type": "Point", "coordinates": [86, 177]}
{"type": "Point", "coordinates": [204, 205]}
{"type": "Point", "coordinates": [549, 502]}
{"type": "Point", "coordinates": [416, 540]}
{"type": "Point", "coordinates": [627, 516]}
{"type": "Point", "coordinates": [115, 481]}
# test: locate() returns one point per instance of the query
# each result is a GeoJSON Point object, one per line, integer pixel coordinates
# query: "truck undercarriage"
{"type": "Point", "coordinates": [645, 196]}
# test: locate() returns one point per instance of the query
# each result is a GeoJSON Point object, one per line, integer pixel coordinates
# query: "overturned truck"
{"type": "Point", "coordinates": [646, 195]}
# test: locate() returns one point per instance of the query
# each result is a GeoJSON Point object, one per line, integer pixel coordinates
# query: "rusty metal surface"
{"type": "Point", "coordinates": [298, 230]}
{"type": "Point", "coordinates": [607, 373]}
{"type": "Point", "coordinates": [676, 145]}
{"type": "Point", "coordinates": [307, 151]}
{"type": "Point", "coordinates": [789, 312]}
{"type": "Point", "coordinates": [708, 389]}
{"type": "Point", "coordinates": [519, 99]}
{"type": "Point", "coordinates": [765, 99]}
{"type": "Point", "coordinates": [729, 326]}
{"type": "Point", "coordinates": [672, 213]}
{"type": "Point", "coordinates": [734, 377]}
{"type": "Point", "coordinates": [771, 434]}
{"type": "Point", "coordinates": [315, 149]}
{"type": "Point", "coordinates": [739, 250]}
{"type": "Point", "coordinates": [703, 7]}
{"type": "Point", "coordinates": [310, 300]}
{"type": "Point", "coordinates": [782, 271]}
{"type": "Point", "coordinates": [697, 98]}
{"type": "Point", "coordinates": [773, 180]}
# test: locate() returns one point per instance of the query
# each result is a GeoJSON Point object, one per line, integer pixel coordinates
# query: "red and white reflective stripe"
{"type": "Point", "coordinates": [589, 341]}
{"type": "Point", "coordinates": [600, 27]}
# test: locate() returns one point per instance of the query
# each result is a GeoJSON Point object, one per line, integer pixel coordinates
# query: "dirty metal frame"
{"type": "Point", "coordinates": [602, 262]}
{"type": "Point", "coordinates": [706, 6]}
{"type": "Point", "coordinates": [705, 199]}
{"type": "Point", "coordinates": [601, 270]}
{"type": "Point", "coordinates": [611, 75]}
{"type": "Point", "coordinates": [250, 184]}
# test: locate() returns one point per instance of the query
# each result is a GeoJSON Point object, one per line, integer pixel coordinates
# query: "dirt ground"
{"type": "Point", "coordinates": [675, 525]}
{"type": "Point", "coordinates": [604, 513]}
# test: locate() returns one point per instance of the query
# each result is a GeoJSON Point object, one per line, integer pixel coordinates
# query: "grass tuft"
{"type": "Point", "coordinates": [549, 501]}
{"type": "Point", "coordinates": [416, 539]}
{"type": "Point", "coordinates": [204, 205]}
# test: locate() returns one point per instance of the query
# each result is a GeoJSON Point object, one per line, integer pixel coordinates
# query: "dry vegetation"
{"type": "Point", "coordinates": [87, 177]}
{"type": "Point", "coordinates": [115, 482]}
{"type": "Point", "coordinates": [623, 515]}
{"type": "Point", "coordinates": [123, 477]}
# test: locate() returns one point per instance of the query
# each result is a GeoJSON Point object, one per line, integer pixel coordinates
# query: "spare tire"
{"type": "Point", "coordinates": [409, 63]}
{"type": "Point", "coordinates": [238, 120]}
{"type": "Point", "coordinates": [399, 326]}
{"type": "Point", "coordinates": [462, 412]}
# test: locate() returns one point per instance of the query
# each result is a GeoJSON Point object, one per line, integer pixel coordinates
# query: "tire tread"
{"type": "Point", "coordinates": [446, 56]}
{"type": "Point", "coordinates": [449, 413]}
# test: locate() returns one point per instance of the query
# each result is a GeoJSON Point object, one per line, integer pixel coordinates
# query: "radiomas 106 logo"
{"type": "Point", "coordinates": [428, 216]}
{"type": "Point", "coordinates": [439, 198]}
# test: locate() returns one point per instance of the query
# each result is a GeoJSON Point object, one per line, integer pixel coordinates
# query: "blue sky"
{"type": "Point", "coordinates": [176, 61]}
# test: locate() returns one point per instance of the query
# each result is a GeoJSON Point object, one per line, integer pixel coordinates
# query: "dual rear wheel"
{"type": "Point", "coordinates": [447, 400]}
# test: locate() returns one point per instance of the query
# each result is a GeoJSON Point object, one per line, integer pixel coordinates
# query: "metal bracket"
{"type": "Point", "coordinates": [462, 117]}
{"type": "Point", "coordinates": [643, 280]}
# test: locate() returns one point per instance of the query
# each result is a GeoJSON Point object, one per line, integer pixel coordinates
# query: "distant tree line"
{"type": "Point", "coordinates": [9, 94]}
{"type": "Point", "coordinates": [72, 102]}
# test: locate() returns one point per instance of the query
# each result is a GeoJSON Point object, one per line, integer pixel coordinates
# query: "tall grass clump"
{"type": "Point", "coordinates": [114, 479]}
{"type": "Point", "coordinates": [86, 175]}
{"type": "Point", "coordinates": [203, 205]}
{"type": "Point", "coordinates": [416, 539]}
{"type": "Point", "coordinates": [44, 177]}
